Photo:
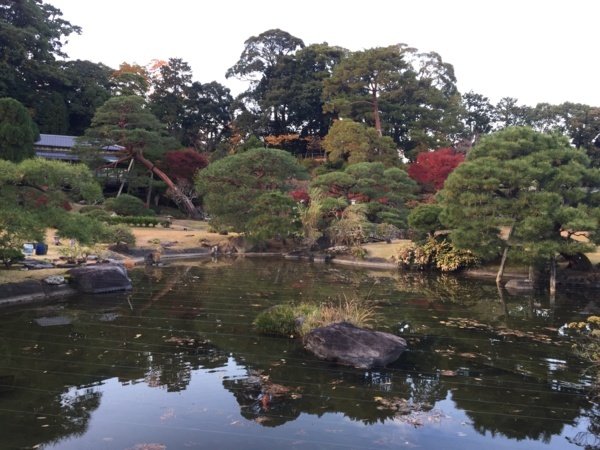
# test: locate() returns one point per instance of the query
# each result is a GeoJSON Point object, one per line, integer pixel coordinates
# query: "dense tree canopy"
{"type": "Point", "coordinates": [207, 116]}
{"type": "Point", "coordinates": [408, 95]}
{"type": "Point", "coordinates": [167, 101]}
{"type": "Point", "coordinates": [263, 63]}
{"type": "Point", "coordinates": [239, 190]}
{"type": "Point", "coordinates": [35, 195]}
{"type": "Point", "coordinates": [125, 121]}
{"type": "Point", "coordinates": [86, 87]}
{"type": "Point", "coordinates": [351, 142]}
{"type": "Point", "coordinates": [535, 185]}
{"type": "Point", "coordinates": [366, 79]}
{"type": "Point", "coordinates": [367, 110]}
{"type": "Point", "coordinates": [131, 79]}
{"type": "Point", "coordinates": [31, 38]}
{"type": "Point", "coordinates": [17, 131]}
{"type": "Point", "coordinates": [383, 190]}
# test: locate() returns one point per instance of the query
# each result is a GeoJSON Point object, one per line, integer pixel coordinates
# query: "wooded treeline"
{"type": "Point", "coordinates": [295, 93]}
{"type": "Point", "coordinates": [531, 170]}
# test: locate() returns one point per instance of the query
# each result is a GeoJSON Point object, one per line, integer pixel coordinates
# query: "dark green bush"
{"type": "Point", "coordinates": [89, 208]}
{"type": "Point", "coordinates": [120, 234]}
{"type": "Point", "coordinates": [278, 320]}
{"type": "Point", "coordinates": [10, 256]}
{"type": "Point", "coordinates": [98, 214]}
{"type": "Point", "coordinates": [128, 205]}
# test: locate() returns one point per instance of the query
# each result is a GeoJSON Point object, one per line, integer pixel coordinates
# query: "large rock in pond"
{"type": "Point", "coordinates": [349, 345]}
{"type": "Point", "coordinates": [100, 278]}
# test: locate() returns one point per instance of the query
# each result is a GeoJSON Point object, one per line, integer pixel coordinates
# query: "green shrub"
{"type": "Point", "coordinates": [128, 205]}
{"type": "Point", "coordinates": [297, 320]}
{"type": "Point", "coordinates": [386, 232]}
{"type": "Point", "coordinates": [99, 214]}
{"type": "Point", "coordinates": [76, 254]}
{"type": "Point", "coordinates": [134, 221]}
{"type": "Point", "coordinates": [89, 208]}
{"type": "Point", "coordinates": [435, 254]}
{"type": "Point", "coordinates": [359, 252]}
{"type": "Point", "coordinates": [587, 347]}
{"type": "Point", "coordinates": [10, 256]}
{"type": "Point", "coordinates": [118, 234]}
{"type": "Point", "coordinates": [278, 320]}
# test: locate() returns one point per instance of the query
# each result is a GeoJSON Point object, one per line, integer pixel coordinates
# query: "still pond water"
{"type": "Point", "coordinates": [178, 365]}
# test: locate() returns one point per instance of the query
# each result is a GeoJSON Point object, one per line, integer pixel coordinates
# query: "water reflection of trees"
{"type": "Point", "coordinates": [515, 412]}
{"type": "Point", "coordinates": [331, 389]}
{"type": "Point", "coordinates": [186, 321]}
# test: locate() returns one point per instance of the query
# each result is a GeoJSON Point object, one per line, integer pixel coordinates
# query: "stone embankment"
{"type": "Point", "coordinates": [87, 279]}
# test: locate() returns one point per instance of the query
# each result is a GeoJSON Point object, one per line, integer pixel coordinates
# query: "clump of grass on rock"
{"type": "Point", "coordinates": [297, 320]}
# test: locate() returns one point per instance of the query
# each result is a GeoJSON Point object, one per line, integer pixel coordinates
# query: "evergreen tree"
{"type": "Point", "coordinates": [243, 192]}
{"type": "Point", "coordinates": [18, 133]}
{"type": "Point", "coordinates": [534, 185]}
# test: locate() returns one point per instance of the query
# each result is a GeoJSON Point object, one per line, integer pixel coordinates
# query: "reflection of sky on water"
{"type": "Point", "coordinates": [205, 415]}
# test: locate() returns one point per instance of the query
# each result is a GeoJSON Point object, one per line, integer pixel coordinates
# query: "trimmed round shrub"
{"type": "Point", "coordinates": [99, 214]}
{"type": "Point", "coordinates": [89, 208]}
{"type": "Point", "coordinates": [128, 205]}
{"type": "Point", "coordinates": [120, 234]}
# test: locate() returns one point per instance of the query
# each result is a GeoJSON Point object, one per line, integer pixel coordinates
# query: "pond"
{"type": "Point", "coordinates": [177, 364]}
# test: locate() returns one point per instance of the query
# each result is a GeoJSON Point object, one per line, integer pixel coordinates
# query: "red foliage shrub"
{"type": "Point", "coordinates": [432, 168]}
{"type": "Point", "coordinates": [66, 205]}
{"type": "Point", "coordinates": [39, 199]}
{"type": "Point", "coordinates": [182, 164]}
{"type": "Point", "coordinates": [300, 195]}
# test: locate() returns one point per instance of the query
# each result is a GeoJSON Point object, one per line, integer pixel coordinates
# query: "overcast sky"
{"type": "Point", "coordinates": [533, 50]}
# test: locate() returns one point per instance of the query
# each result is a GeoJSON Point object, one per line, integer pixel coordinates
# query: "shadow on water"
{"type": "Point", "coordinates": [498, 361]}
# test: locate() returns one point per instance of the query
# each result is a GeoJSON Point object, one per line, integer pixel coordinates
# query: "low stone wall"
{"type": "Point", "coordinates": [32, 291]}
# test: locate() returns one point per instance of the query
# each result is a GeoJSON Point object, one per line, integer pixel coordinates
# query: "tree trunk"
{"type": "Point", "coordinates": [149, 194]}
{"type": "Point", "coordinates": [552, 280]}
{"type": "Point", "coordinates": [189, 206]}
{"type": "Point", "coordinates": [501, 268]}
{"type": "Point", "coordinates": [504, 256]}
{"type": "Point", "coordinates": [125, 178]}
{"type": "Point", "coordinates": [376, 113]}
{"type": "Point", "coordinates": [501, 295]}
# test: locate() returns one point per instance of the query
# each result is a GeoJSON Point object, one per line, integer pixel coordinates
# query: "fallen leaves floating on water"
{"type": "Point", "coordinates": [402, 406]}
{"type": "Point", "coordinates": [148, 447]}
{"type": "Point", "coordinates": [191, 342]}
{"type": "Point", "coordinates": [168, 415]}
{"type": "Point", "coordinates": [507, 333]}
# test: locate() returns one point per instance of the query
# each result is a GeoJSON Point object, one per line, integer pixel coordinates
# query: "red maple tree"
{"type": "Point", "coordinates": [183, 164]}
{"type": "Point", "coordinates": [432, 168]}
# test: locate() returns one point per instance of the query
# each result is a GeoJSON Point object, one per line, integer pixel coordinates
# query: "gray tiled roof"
{"type": "Point", "coordinates": [66, 142]}
{"type": "Point", "coordinates": [55, 140]}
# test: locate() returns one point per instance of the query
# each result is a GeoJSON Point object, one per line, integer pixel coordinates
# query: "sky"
{"type": "Point", "coordinates": [537, 51]}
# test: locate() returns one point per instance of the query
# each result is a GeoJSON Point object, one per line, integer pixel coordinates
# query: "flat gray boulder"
{"type": "Point", "coordinates": [100, 278]}
{"type": "Point", "coordinates": [346, 344]}
{"type": "Point", "coordinates": [518, 286]}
